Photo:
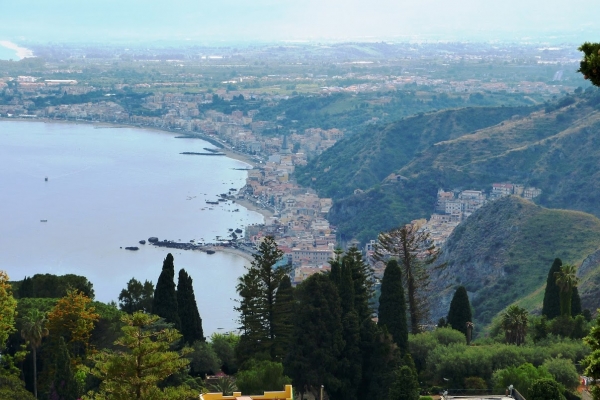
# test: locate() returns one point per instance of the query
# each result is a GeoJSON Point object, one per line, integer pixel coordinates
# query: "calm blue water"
{"type": "Point", "coordinates": [110, 188]}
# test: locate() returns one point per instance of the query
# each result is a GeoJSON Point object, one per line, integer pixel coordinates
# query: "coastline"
{"type": "Point", "coordinates": [22, 52]}
{"type": "Point", "coordinates": [250, 206]}
{"type": "Point", "coordinates": [245, 255]}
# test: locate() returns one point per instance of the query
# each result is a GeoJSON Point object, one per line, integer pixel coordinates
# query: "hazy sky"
{"type": "Point", "coordinates": [247, 20]}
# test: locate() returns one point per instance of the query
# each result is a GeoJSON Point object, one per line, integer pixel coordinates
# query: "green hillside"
{"type": "Point", "coordinates": [366, 158]}
{"type": "Point", "coordinates": [503, 252]}
{"type": "Point", "coordinates": [555, 149]}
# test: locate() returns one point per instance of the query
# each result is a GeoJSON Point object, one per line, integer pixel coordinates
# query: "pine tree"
{"type": "Point", "coordinates": [392, 305]}
{"type": "Point", "coordinates": [137, 297]}
{"type": "Point", "coordinates": [165, 299]}
{"type": "Point", "coordinates": [362, 277]}
{"type": "Point", "coordinates": [257, 289]}
{"type": "Point", "coordinates": [283, 317]}
{"type": "Point", "coordinates": [551, 305]}
{"type": "Point", "coordinates": [406, 385]}
{"type": "Point", "coordinates": [460, 311]}
{"type": "Point", "coordinates": [191, 323]}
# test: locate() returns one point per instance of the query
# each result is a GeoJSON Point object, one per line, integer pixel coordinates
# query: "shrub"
{"type": "Point", "coordinates": [545, 389]}
{"type": "Point", "coordinates": [563, 371]}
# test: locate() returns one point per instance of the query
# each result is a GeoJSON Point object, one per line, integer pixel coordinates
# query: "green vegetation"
{"type": "Point", "coordinates": [460, 311]}
{"type": "Point", "coordinates": [164, 303]}
{"type": "Point", "coordinates": [392, 305]}
{"type": "Point", "coordinates": [191, 323]}
{"type": "Point", "coordinates": [590, 65]}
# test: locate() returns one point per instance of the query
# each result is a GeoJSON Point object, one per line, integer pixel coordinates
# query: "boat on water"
{"type": "Point", "coordinates": [43, 220]}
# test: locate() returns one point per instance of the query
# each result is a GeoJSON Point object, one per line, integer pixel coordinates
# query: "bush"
{"type": "Point", "coordinates": [563, 371]}
{"type": "Point", "coordinates": [521, 377]}
{"type": "Point", "coordinates": [260, 376]}
{"type": "Point", "coordinates": [545, 389]}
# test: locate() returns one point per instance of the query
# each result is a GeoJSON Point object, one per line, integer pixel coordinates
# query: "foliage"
{"type": "Point", "coordinates": [566, 280]}
{"type": "Point", "coordinates": [33, 330]}
{"type": "Point", "coordinates": [137, 296]}
{"type": "Point", "coordinates": [592, 361]}
{"type": "Point", "coordinates": [283, 317]}
{"type": "Point", "coordinates": [551, 305]}
{"type": "Point", "coordinates": [143, 362]}
{"type": "Point", "coordinates": [460, 311]}
{"type": "Point", "coordinates": [522, 378]}
{"type": "Point", "coordinates": [54, 286]}
{"type": "Point", "coordinates": [514, 323]}
{"type": "Point", "coordinates": [475, 384]}
{"type": "Point", "coordinates": [191, 323]}
{"type": "Point", "coordinates": [545, 389]}
{"type": "Point", "coordinates": [73, 318]}
{"type": "Point", "coordinates": [314, 353]}
{"type": "Point", "coordinates": [563, 371]}
{"type": "Point", "coordinates": [203, 359]}
{"type": "Point", "coordinates": [257, 289]}
{"type": "Point", "coordinates": [224, 346]}
{"type": "Point", "coordinates": [406, 385]}
{"type": "Point", "coordinates": [392, 305]}
{"type": "Point", "coordinates": [164, 303]}
{"type": "Point", "coordinates": [8, 307]}
{"type": "Point", "coordinates": [590, 65]}
{"type": "Point", "coordinates": [411, 245]}
{"type": "Point", "coordinates": [64, 386]}
{"type": "Point", "coordinates": [224, 385]}
{"type": "Point", "coordinates": [260, 376]}
{"type": "Point", "coordinates": [11, 387]}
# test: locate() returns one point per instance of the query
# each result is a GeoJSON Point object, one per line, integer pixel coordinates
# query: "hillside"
{"type": "Point", "coordinates": [555, 149]}
{"type": "Point", "coordinates": [503, 252]}
{"type": "Point", "coordinates": [366, 158]}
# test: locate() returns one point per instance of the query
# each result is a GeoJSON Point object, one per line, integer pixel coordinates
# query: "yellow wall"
{"type": "Point", "coordinates": [286, 394]}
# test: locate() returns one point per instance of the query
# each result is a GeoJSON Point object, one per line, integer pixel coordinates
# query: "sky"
{"type": "Point", "coordinates": [214, 21]}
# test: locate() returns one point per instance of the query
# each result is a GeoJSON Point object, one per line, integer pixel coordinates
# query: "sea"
{"type": "Point", "coordinates": [8, 53]}
{"type": "Point", "coordinates": [73, 196]}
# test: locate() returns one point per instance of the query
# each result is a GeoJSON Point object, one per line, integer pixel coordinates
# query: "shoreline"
{"type": "Point", "coordinates": [236, 252]}
{"type": "Point", "coordinates": [250, 206]}
{"type": "Point", "coordinates": [21, 52]}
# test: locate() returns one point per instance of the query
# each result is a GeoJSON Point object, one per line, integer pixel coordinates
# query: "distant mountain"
{"type": "Point", "coordinates": [503, 252]}
{"type": "Point", "coordinates": [399, 168]}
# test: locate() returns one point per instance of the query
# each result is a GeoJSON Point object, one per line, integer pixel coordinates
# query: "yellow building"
{"type": "Point", "coordinates": [286, 394]}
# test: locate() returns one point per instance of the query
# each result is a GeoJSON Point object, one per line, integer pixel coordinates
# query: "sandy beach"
{"type": "Point", "coordinates": [237, 252]}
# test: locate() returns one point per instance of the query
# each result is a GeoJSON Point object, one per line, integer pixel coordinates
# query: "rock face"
{"type": "Point", "coordinates": [153, 239]}
{"type": "Point", "coordinates": [589, 286]}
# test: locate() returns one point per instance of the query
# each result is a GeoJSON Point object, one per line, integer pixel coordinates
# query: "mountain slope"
{"type": "Point", "coordinates": [503, 252]}
{"type": "Point", "coordinates": [556, 150]}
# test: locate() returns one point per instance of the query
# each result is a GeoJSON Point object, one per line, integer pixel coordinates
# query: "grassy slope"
{"type": "Point", "coordinates": [504, 251]}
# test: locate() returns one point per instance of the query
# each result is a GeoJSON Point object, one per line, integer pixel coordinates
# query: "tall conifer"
{"type": "Point", "coordinates": [551, 305]}
{"type": "Point", "coordinates": [165, 299]}
{"type": "Point", "coordinates": [392, 305]}
{"type": "Point", "coordinates": [283, 317]}
{"type": "Point", "coordinates": [191, 323]}
{"type": "Point", "coordinates": [460, 311]}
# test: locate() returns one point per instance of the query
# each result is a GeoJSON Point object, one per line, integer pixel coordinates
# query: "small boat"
{"type": "Point", "coordinates": [43, 220]}
{"type": "Point", "coordinates": [46, 179]}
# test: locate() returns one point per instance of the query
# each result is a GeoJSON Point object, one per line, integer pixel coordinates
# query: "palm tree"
{"type": "Point", "coordinates": [566, 280]}
{"type": "Point", "coordinates": [225, 385]}
{"type": "Point", "coordinates": [33, 332]}
{"type": "Point", "coordinates": [514, 324]}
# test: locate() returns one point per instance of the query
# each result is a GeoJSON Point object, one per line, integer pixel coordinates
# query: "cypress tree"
{"type": "Point", "coordinates": [460, 311]}
{"type": "Point", "coordinates": [392, 305]}
{"type": "Point", "coordinates": [191, 323]}
{"type": "Point", "coordinates": [551, 305]}
{"type": "Point", "coordinates": [283, 317]}
{"type": "Point", "coordinates": [64, 386]}
{"type": "Point", "coordinates": [165, 299]}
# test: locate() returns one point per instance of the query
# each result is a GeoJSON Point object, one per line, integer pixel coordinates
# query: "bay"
{"type": "Point", "coordinates": [107, 189]}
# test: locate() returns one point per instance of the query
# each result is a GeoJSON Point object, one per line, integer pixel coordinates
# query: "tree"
{"type": "Point", "coordinates": [164, 303]}
{"type": "Point", "coordinates": [191, 323]}
{"type": "Point", "coordinates": [592, 361]}
{"type": "Point", "coordinates": [33, 331]}
{"type": "Point", "coordinates": [224, 346]}
{"type": "Point", "coordinates": [8, 309]}
{"type": "Point", "coordinates": [566, 280]}
{"type": "Point", "coordinates": [406, 385]}
{"type": "Point", "coordinates": [283, 317]}
{"type": "Point", "coordinates": [73, 318]}
{"type": "Point", "coordinates": [576, 308]}
{"type": "Point", "coordinates": [317, 341]}
{"type": "Point", "coordinates": [11, 387]}
{"type": "Point", "coordinates": [64, 386]}
{"type": "Point", "coordinates": [137, 297]}
{"type": "Point", "coordinates": [258, 288]}
{"type": "Point", "coordinates": [414, 250]}
{"type": "Point", "coordinates": [551, 305]}
{"type": "Point", "coordinates": [54, 286]}
{"type": "Point", "coordinates": [545, 389]}
{"type": "Point", "coordinates": [590, 65]}
{"type": "Point", "coordinates": [514, 323]}
{"type": "Point", "coordinates": [145, 361]}
{"type": "Point", "coordinates": [563, 371]}
{"type": "Point", "coordinates": [362, 279]}
{"type": "Point", "coordinates": [261, 376]}
{"type": "Point", "coordinates": [203, 360]}
{"type": "Point", "coordinates": [460, 310]}
{"type": "Point", "coordinates": [521, 377]}
{"type": "Point", "coordinates": [392, 305]}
